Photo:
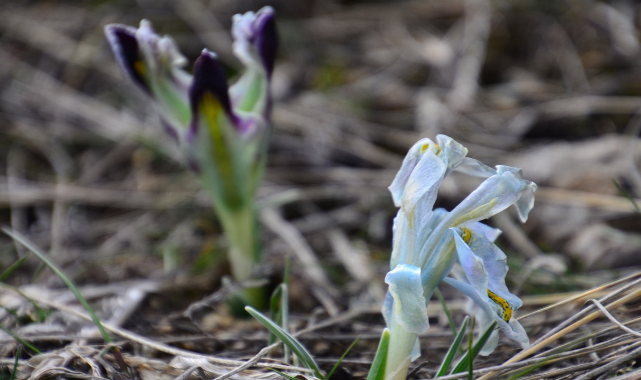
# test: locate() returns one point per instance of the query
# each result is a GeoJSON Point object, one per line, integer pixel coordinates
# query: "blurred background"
{"type": "Point", "coordinates": [553, 87]}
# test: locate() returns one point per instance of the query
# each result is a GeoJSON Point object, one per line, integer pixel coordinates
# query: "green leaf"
{"type": "Point", "coordinates": [627, 195]}
{"type": "Point", "coordinates": [13, 267]}
{"type": "Point", "coordinates": [450, 320]}
{"type": "Point", "coordinates": [470, 358]}
{"type": "Point", "coordinates": [274, 311]}
{"type": "Point", "coordinates": [15, 363]}
{"type": "Point", "coordinates": [377, 371]}
{"type": "Point", "coordinates": [342, 357]}
{"type": "Point", "coordinates": [283, 374]}
{"type": "Point", "coordinates": [288, 340]}
{"type": "Point", "coordinates": [463, 363]}
{"type": "Point", "coordinates": [456, 344]}
{"type": "Point", "coordinates": [20, 340]}
{"type": "Point", "coordinates": [43, 257]}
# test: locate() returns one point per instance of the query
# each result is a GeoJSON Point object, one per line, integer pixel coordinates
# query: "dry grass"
{"type": "Point", "coordinates": [553, 87]}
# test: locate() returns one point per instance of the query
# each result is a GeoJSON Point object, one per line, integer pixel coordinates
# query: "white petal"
{"type": "Point", "coordinates": [410, 308]}
{"type": "Point", "coordinates": [475, 168]}
{"type": "Point", "coordinates": [490, 233]}
{"type": "Point", "coordinates": [472, 265]}
{"type": "Point", "coordinates": [526, 202]}
{"type": "Point", "coordinates": [397, 188]}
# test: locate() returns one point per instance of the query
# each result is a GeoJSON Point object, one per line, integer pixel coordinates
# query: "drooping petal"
{"type": "Point", "coordinates": [473, 265]}
{"type": "Point", "coordinates": [475, 168]}
{"type": "Point", "coordinates": [410, 307]}
{"type": "Point", "coordinates": [494, 195]}
{"type": "Point", "coordinates": [453, 153]}
{"type": "Point", "coordinates": [397, 188]}
{"type": "Point", "coordinates": [495, 263]}
{"type": "Point", "coordinates": [526, 201]}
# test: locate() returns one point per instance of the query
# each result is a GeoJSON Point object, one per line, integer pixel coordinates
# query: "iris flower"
{"type": "Point", "coordinates": [223, 131]}
{"type": "Point", "coordinates": [427, 244]}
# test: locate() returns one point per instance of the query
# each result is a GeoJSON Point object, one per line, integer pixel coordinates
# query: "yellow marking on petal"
{"type": "Point", "coordinates": [438, 149]}
{"type": "Point", "coordinates": [424, 148]}
{"type": "Point", "coordinates": [466, 235]}
{"type": "Point", "coordinates": [140, 67]}
{"type": "Point", "coordinates": [507, 309]}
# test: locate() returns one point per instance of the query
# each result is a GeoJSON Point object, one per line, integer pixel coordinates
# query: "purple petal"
{"type": "Point", "coordinates": [125, 48]}
{"type": "Point", "coordinates": [266, 37]}
{"type": "Point", "coordinates": [209, 78]}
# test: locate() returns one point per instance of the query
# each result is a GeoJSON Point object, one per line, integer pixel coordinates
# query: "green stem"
{"type": "Point", "coordinates": [399, 356]}
{"type": "Point", "coordinates": [241, 231]}
{"type": "Point", "coordinates": [240, 228]}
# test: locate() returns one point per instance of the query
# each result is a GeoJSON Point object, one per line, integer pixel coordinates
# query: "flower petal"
{"type": "Point", "coordinates": [122, 39]}
{"type": "Point", "coordinates": [472, 265]}
{"type": "Point", "coordinates": [397, 188]}
{"type": "Point", "coordinates": [494, 195]}
{"type": "Point", "coordinates": [410, 307]}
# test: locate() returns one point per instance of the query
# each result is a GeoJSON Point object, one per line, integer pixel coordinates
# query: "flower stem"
{"type": "Point", "coordinates": [241, 231]}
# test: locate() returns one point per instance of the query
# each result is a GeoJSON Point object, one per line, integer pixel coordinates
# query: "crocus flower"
{"type": "Point", "coordinates": [223, 131]}
{"type": "Point", "coordinates": [427, 243]}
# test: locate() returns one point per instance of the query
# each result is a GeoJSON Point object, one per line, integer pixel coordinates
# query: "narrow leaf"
{"type": "Point", "coordinates": [463, 363]}
{"type": "Point", "coordinates": [13, 267]}
{"type": "Point", "coordinates": [456, 344]}
{"type": "Point", "coordinates": [283, 374]}
{"type": "Point", "coordinates": [43, 257]}
{"type": "Point", "coordinates": [470, 358]}
{"type": "Point", "coordinates": [274, 307]}
{"type": "Point", "coordinates": [288, 340]}
{"type": "Point", "coordinates": [450, 320]}
{"type": "Point", "coordinates": [377, 371]}
{"type": "Point", "coordinates": [342, 357]}
{"type": "Point", "coordinates": [20, 340]}
{"type": "Point", "coordinates": [15, 363]}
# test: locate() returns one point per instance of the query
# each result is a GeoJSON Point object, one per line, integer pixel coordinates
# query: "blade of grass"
{"type": "Point", "coordinates": [470, 358]}
{"type": "Point", "coordinates": [463, 363]}
{"type": "Point", "coordinates": [450, 320]}
{"type": "Point", "coordinates": [456, 344]}
{"type": "Point", "coordinates": [43, 257]}
{"type": "Point", "coordinates": [20, 340]}
{"type": "Point", "coordinates": [627, 195]}
{"type": "Point", "coordinates": [283, 374]}
{"type": "Point", "coordinates": [274, 303]}
{"type": "Point", "coordinates": [529, 369]}
{"type": "Point", "coordinates": [342, 357]}
{"type": "Point", "coordinates": [284, 316]}
{"type": "Point", "coordinates": [288, 340]}
{"type": "Point", "coordinates": [13, 267]}
{"type": "Point", "coordinates": [15, 363]}
{"type": "Point", "coordinates": [377, 370]}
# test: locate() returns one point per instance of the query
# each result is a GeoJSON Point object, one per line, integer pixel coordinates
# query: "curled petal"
{"type": "Point", "coordinates": [409, 309]}
{"type": "Point", "coordinates": [472, 265]}
{"type": "Point", "coordinates": [397, 188]}
{"type": "Point", "coordinates": [494, 195]}
{"type": "Point", "coordinates": [475, 168]}
{"type": "Point", "coordinates": [453, 153]}
{"type": "Point", "coordinates": [526, 201]}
